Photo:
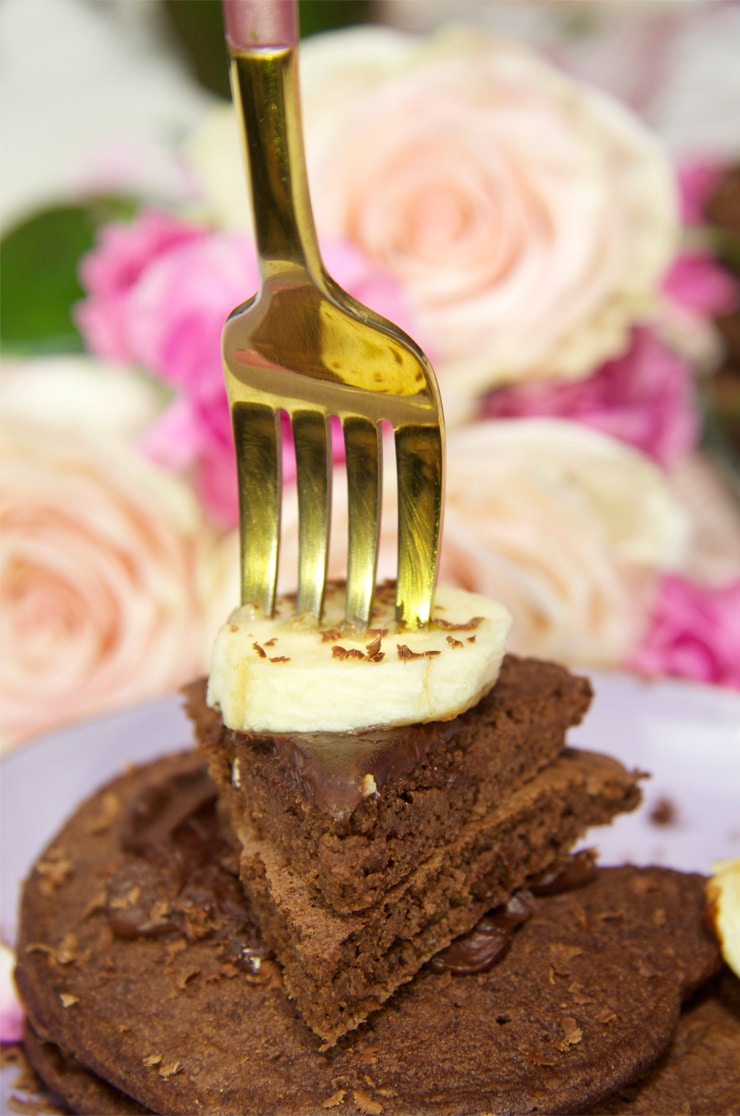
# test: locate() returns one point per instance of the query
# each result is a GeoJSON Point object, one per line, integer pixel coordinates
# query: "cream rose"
{"type": "Point", "coordinates": [103, 575]}
{"type": "Point", "coordinates": [527, 216]}
{"type": "Point", "coordinates": [73, 394]}
{"type": "Point", "coordinates": [563, 525]}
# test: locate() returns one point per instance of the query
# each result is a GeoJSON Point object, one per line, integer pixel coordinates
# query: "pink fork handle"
{"type": "Point", "coordinates": [260, 23]}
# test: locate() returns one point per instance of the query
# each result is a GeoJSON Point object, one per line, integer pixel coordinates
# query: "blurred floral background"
{"type": "Point", "coordinates": [545, 195]}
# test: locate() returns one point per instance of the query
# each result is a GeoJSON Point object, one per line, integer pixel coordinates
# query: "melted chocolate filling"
{"type": "Point", "coordinates": [175, 882]}
{"type": "Point", "coordinates": [579, 869]}
{"type": "Point", "coordinates": [329, 767]}
{"type": "Point", "coordinates": [489, 940]}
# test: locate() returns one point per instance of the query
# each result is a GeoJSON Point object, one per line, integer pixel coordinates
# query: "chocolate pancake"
{"type": "Point", "coordinates": [72, 1086]}
{"type": "Point", "coordinates": [699, 1073]}
{"type": "Point", "coordinates": [139, 960]}
{"type": "Point", "coordinates": [357, 813]}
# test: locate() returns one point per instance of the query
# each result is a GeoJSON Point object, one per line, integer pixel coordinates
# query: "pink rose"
{"type": "Point", "coordinates": [123, 252]}
{"type": "Point", "coordinates": [528, 217]}
{"type": "Point", "coordinates": [698, 178]}
{"type": "Point", "coordinates": [701, 286]}
{"type": "Point", "coordinates": [694, 633]}
{"type": "Point", "coordinates": [697, 288]}
{"type": "Point", "coordinates": [644, 398]}
{"type": "Point", "coordinates": [11, 1012]}
{"type": "Point", "coordinates": [158, 294]}
{"type": "Point", "coordinates": [103, 574]}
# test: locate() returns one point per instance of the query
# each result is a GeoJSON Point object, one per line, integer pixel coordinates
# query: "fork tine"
{"type": "Point", "coordinates": [419, 457]}
{"type": "Point", "coordinates": [363, 453]}
{"type": "Point", "coordinates": [313, 482]}
{"type": "Point", "coordinates": [302, 344]}
{"type": "Point", "coordinates": [258, 442]}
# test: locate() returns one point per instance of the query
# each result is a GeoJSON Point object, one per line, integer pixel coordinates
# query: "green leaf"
{"type": "Point", "coordinates": [198, 27]}
{"type": "Point", "coordinates": [328, 15]}
{"type": "Point", "coordinates": [39, 285]}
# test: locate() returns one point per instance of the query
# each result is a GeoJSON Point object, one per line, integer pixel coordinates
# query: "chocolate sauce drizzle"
{"type": "Point", "coordinates": [490, 939]}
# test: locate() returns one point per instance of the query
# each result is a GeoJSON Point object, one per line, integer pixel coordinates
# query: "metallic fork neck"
{"type": "Point", "coordinates": [265, 84]}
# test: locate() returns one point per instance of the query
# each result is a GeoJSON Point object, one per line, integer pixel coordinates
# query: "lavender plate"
{"type": "Point", "coordinates": [686, 736]}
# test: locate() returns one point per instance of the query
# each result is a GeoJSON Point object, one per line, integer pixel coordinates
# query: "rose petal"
{"type": "Point", "coordinates": [103, 560]}
{"type": "Point", "coordinates": [11, 1012]}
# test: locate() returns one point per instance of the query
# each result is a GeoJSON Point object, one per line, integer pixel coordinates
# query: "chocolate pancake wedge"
{"type": "Point", "coordinates": [139, 958]}
{"type": "Point", "coordinates": [340, 968]}
{"type": "Point", "coordinates": [356, 813]}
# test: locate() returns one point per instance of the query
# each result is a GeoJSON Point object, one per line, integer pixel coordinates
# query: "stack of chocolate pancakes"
{"type": "Point", "coordinates": [363, 860]}
{"type": "Point", "coordinates": [273, 924]}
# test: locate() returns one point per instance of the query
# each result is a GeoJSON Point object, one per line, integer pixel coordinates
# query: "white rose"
{"type": "Point", "coordinates": [214, 152]}
{"type": "Point", "coordinates": [567, 527]}
{"type": "Point", "coordinates": [214, 149]}
{"type": "Point", "coordinates": [563, 525]}
{"type": "Point", "coordinates": [77, 393]}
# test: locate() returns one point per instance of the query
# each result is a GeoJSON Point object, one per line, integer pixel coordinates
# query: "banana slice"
{"type": "Point", "coordinates": [290, 673]}
{"type": "Point", "coordinates": [723, 897]}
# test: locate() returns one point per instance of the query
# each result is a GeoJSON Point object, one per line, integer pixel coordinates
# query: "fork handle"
{"type": "Point", "coordinates": [267, 100]}
{"type": "Point", "coordinates": [260, 23]}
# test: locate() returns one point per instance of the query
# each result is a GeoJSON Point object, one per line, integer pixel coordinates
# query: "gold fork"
{"type": "Point", "coordinates": [304, 347]}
